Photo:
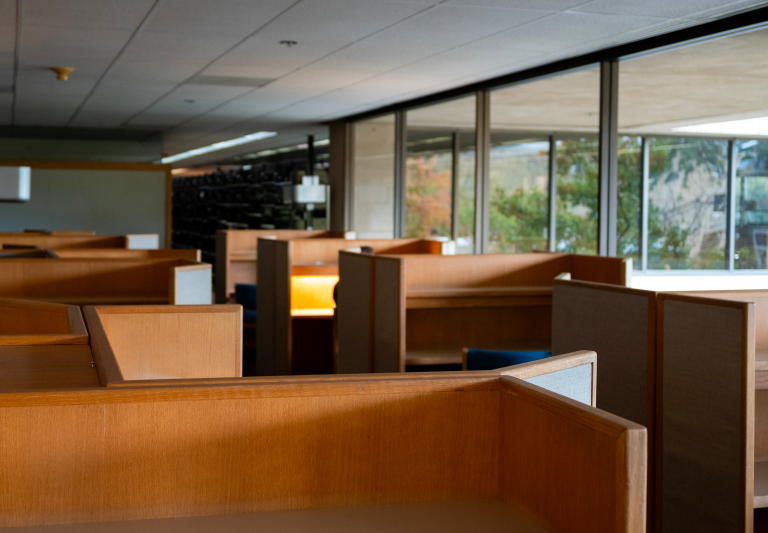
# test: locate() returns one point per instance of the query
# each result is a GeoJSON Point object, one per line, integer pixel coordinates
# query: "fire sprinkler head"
{"type": "Point", "coordinates": [62, 73]}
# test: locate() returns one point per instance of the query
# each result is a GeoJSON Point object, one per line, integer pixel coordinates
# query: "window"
{"type": "Point", "coordinates": [751, 193]}
{"type": "Point", "coordinates": [440, 172]}
{"type": "Point", "coordinates": [528, 121]}
{"type": "Point", "coordinates": [685, 105]}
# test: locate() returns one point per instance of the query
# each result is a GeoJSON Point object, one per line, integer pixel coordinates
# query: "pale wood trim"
{"type": "Point", "coordinates": [107, 367]}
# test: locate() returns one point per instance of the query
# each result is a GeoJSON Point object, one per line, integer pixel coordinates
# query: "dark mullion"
{"type": "Point", "coordinates": [401, 134]}
{"type": "Point", "coordinates": [552, 195]}
{"type": "Point", "coordinates": [730, 231]}
{"type": "Point", "coordinates": [482, 175]}
{"type": "Point", "coordinates": [608, 158]}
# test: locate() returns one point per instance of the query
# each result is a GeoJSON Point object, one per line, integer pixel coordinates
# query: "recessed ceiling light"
{"type": "Point", "coordinates": [219, 146]}
{"type": "Point", "coordinates": [289, 43]}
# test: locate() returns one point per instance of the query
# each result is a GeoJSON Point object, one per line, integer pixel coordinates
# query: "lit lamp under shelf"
{"type": "Point", "coordinates": [312, 295]}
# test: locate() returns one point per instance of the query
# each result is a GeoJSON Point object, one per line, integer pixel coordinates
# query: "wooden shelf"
{"type": "Point", "coordinates": [312, 313]}
{"type": "Point", "coordinates": [491, 516]}
{"type": "Point", "coordinates": [316, 269]}
{"type": "Point", "coordinates": [761, 484]}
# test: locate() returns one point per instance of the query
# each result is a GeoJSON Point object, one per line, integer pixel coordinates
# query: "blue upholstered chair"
{"type": "Point", "coordinates": [245, 295]}
{"type": "Point", "coordinates": [475, 359]}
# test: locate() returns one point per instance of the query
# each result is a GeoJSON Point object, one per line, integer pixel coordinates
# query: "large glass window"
{"type": "Point", "coordinates": [628, 212]}
{"type": "Point", "coordinates": [687, 215]}
{"type": "Point", "coordinates": [440, 172]}
{"type": "Point", "coordinates": [529, 120]}
{"type": "Point", "coordinates": [751, 192]}
{"type": "Point", "coordinates": [686, 104]}
{"type": "Point", "coordinates": [373, 178]}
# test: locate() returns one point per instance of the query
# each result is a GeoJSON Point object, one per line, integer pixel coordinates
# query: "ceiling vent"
{"type": "Point", "coordinates": [14, 184]}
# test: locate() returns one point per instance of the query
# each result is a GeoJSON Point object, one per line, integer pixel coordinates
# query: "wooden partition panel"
{"type": "Point", "coordinates": [598, 460]}
{"type": "Point", "coordinates": [298, 443]}
{"type": "Point", "coordinates": [705, 457]}
{"type": "Point", "coordinates": [39, 368]}
{"type": "Point", "coordinates": [117, 253]}
{"type": "Point", "coordinates": [156, 342]}
{"type": "Point", "coordinates": [57, 242]}
{"type": "Point", "coordinates": [89, 281]}
{"type": "Point", "coordinates": [123, 454]}
{"type": "Point", "coordinates": [612, 270]}
{"type": "Point", "coordinates": [24, 322]}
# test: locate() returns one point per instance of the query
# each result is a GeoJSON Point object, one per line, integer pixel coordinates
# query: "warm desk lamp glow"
{"type": "Point", "coordinates": [312, 295]}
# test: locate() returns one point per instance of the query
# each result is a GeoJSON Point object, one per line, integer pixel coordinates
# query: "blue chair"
{"type": "Point", "coordinates": [245, 295]}
{"type": "Point", "coordinates": [475, 359]}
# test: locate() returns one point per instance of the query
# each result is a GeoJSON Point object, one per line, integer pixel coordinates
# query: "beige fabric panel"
{"type": "Point", "coordinates": [759, 298]}
{"type": "Point", "coordinates": [354, 314]}
{"type": "Point", "coordinates": [702, 421]}
{"type": "Point", "coordinates": [282, 308]}
{"type": "Point", "coordinates": [614, 323]}
{"type": "Point", "coordinates": [265, 310]}
{"type": "Point", "coordinates": [389, 316]}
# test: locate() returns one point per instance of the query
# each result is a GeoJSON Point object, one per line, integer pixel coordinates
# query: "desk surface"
{"type": "Point", "coordinates": [489, 516]}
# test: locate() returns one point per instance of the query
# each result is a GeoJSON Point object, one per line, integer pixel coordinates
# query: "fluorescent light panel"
{"type": "Point", "coordinates": [219, 146]}
{"type": "Point", "coordinates": [749, 126]}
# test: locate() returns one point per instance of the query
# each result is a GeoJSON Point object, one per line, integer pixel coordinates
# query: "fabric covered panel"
{"type": "Point", "coordinates": [389, 313]}
{"type": "Point", "coordinates": [614, 323]}
{"type": "Point", "coordinates": [493, 359]}
{"type": "Point", "coordinates": [265, 308]}
{"type": "Point", "coordinates": [193, 287]}
{"type": "Point", "coordinates": [354, 314]}
{"type": "Point", "coordinates": [702, 421]}
{"type": "Point", "coordinates": [574, 383]}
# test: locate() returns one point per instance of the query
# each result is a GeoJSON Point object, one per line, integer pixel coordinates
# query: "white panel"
{"type": "Point", "coordinates": [104, 14]}
{"type": "Point", "coordinates": [193, 287]}
{"type": "Point", "coordinates": [574, 383]}
{"type": "Point", "coordinates": [143, 242]}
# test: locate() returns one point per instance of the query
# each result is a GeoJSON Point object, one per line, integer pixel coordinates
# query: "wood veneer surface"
{"type": "Point", "coordinates": [192, 342]}
{"type": "Point", "coordinates": [488, 516]}
{"type": "Point", "coordinates": [44, 368]}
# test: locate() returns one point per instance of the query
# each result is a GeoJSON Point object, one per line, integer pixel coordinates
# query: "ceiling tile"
{"type": "Point", "coordinates": [48, 45]}
{"type": "Point", "coordinates": [565, 30]}
{"type": "Point", "coordinates": [447, 26]}
{"type": "Point", "coordinates": [652, 8]}
{"type": "Point", "coordinates": [548, 5]}
{"type": "Point", "coordinates": [98, 14]}
{"type": "Point", "coordinates": [342, 20]}
{"type": "Point", "coordinates": [205, 16]}
{"type": "Point", "coordinates": [168, 48]}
